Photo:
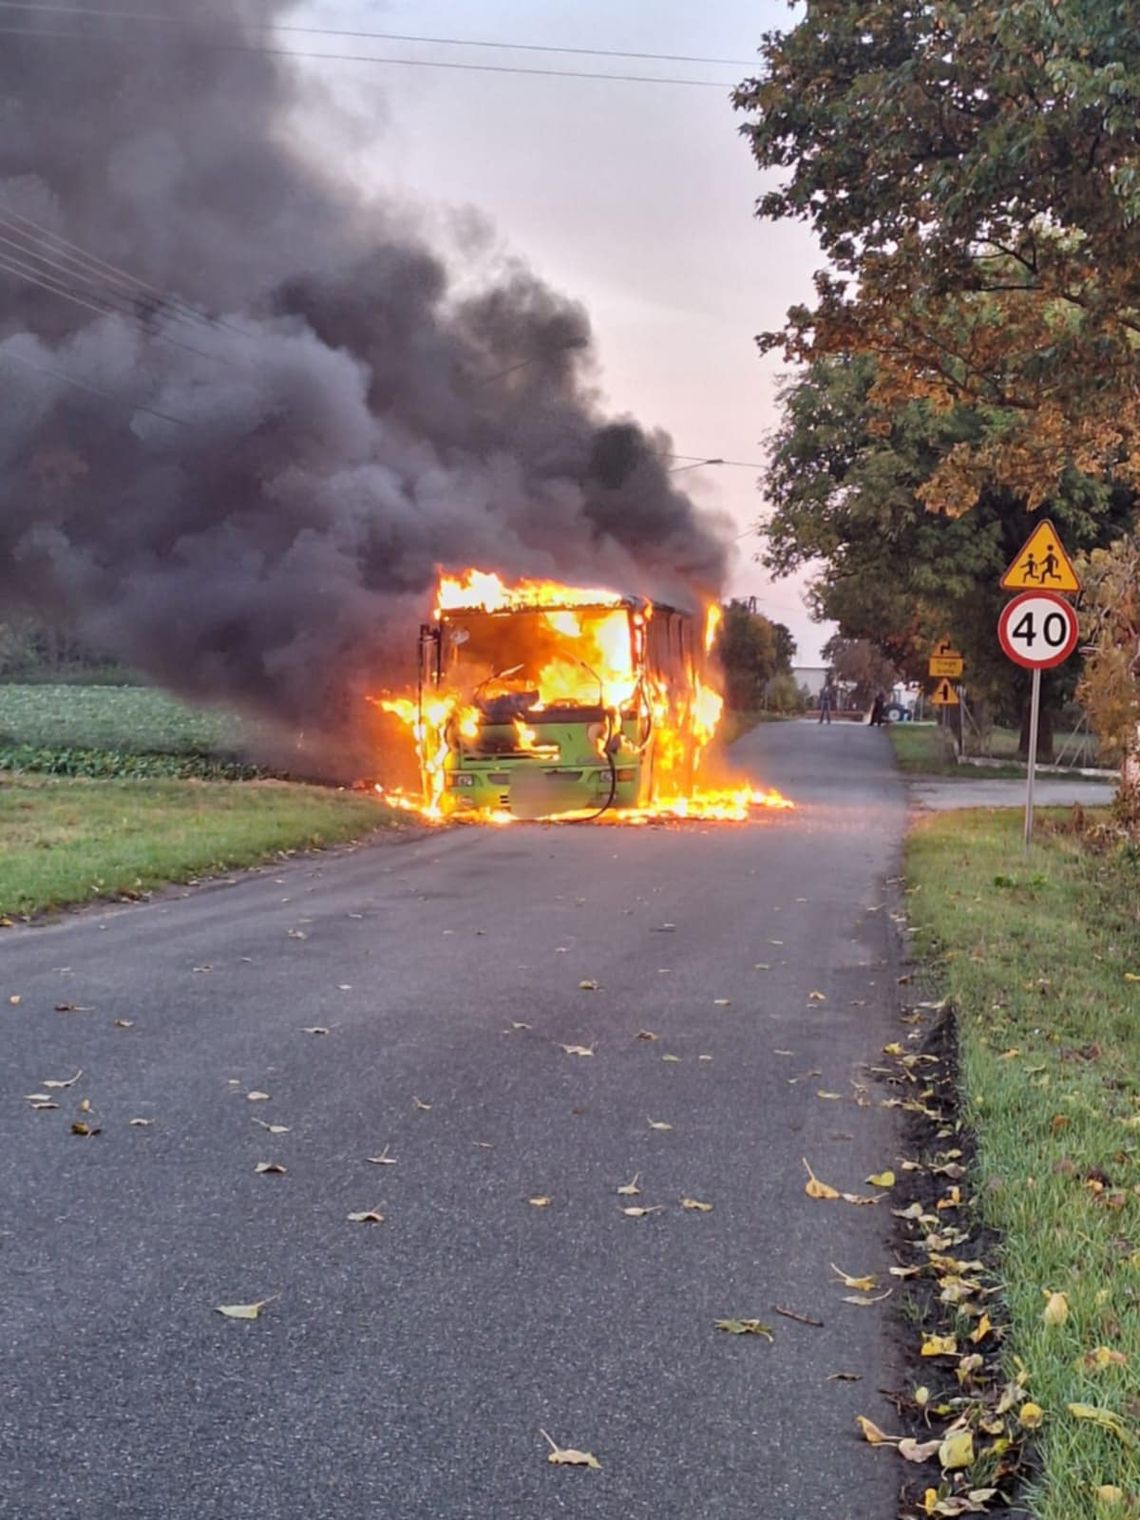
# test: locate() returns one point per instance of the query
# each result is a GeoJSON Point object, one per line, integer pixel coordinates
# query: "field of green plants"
{"type": "Point", "coordinates": [108, 731]}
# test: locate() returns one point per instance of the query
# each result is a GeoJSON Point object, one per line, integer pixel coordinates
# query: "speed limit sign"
{"type": "Point", "coordinates": [1038, 629]}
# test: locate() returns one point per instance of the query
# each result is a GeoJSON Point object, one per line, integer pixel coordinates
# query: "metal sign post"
{"type": "Point", "coordinates": [1031, 767]}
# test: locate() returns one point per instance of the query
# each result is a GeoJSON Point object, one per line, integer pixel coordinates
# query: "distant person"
{"type": "Point", "coordinates": [826, 701]}
{"type": "Point", "coordinates": [878, 709]}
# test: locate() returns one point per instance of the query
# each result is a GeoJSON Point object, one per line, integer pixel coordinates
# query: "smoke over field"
{"type": "Point", "coordinates": [234, 450]}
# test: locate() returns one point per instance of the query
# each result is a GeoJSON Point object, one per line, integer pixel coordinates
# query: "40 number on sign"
{"type": "Point", "coordinates": [1038, 630]}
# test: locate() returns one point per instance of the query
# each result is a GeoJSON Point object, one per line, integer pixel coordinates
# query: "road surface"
{"type": "Point", "coordinates": [1010, 792]}
{"type": "Point", "coordinates": [405, 1369]}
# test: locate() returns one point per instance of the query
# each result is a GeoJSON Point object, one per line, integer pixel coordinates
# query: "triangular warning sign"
{"type": "Point", "coordinates": [944, 695]}
{"type": "Point", "coordinates": [1042, 564]}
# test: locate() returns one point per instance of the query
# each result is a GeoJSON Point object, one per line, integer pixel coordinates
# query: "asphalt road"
{"type": "Point", "coordinates": [404, 1369]}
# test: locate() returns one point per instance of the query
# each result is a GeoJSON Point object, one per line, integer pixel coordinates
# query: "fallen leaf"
{"type": "Point", "coordinates": [273, 1168]}
{"type": "Point", "coordinates": [1105, 1419]}
{"type": "Point", "coordinates": [722, 1002]}
{"type": "Point", "coordinates": [15, 1000]}
{"type": "Point", "coordinates": [761, 966]}
{"type": "Point", "coordinates": [1102, 1357]}
{"type": "Point", "coordinates": [844, 1377]}
{"type": "Point", "coordinates": [816, 997]}
{"type": "Point", "coordinates": [292, 933]}
{"type": "Point", "coordinates": [71, 1081]}
{"type": "Point", "coordinates": [367, 1216]}
{"type": "Point", "coordinates": [39, 1105]}
{"type": "Point", "coordinates": [245, 1311]}
{"type": "Point", "coordinates": [383, 1159]}
{"type": "Point", "coordinates": [540, 1202]}
{"type": "Point", "coordinates": [517, 1024]}
{"type": "Point", "coordinates": [939, 1345]}
{"type": "Point", "coordinates": [630, 1189]}
{"type": "Point", "coordinates": [124, 1023]}
{"type": "Point", "coordinates": [658, 1124]}
{"type": "Point", "coordinates": [830, 1096]}
{"type": "Point", "coordinates": [635, 1211]}
{"type": "Point", "coordinates": [882, 1179]}
{"type": "Point", "coordinates": [419, 1103]}
{"type": "Point", "coordinates": [744, 1327]}
{"type": "Point", "coordinates": [957, 1450]}
{"type": "Point", "coordinates": [861, 1300]}
{"type": "Point", "coordinates": [814, 1188]}
{"type": "Point", "coordinates": [1030, 1415]}
{"type": "Point", "coordinates": [1056, 1310]}
{"type": "Point", "coordinates": [872, 1433]}
{"type": "Point", "coordinates": [39, 1098]}
{"type": "Point", "coordinates": [860, 1199]}
{"type": "Point", "coordinates": [567, 1456]}
{"type": "Point", "coordinates": [646, 1034]}
{"type": "Point", "coordinates": [588, 986]}
{"type": "Point", "coordinates": [78, 1127]}
{"type": "Point", "coordinates": [578, 1050]}
{"type": "Point", "coordinates": [862, 1284]}
{"type": "Point", "coordinates": [893, 1049]}
{"type": "Point", "coordinates": [918, 1451]}
{"type": "Point", "coordinates": [695, 1206]}
{"type": "Point", "coordinates": [258, 1097]}
{"type": "Point", "coordinates": [1108, 1493]}
{"type": "Point", "coordinates": [139, 1123]}
{"type": "Point", "coordinates": [668, 1057]}
{"type": "Point", "coordinates": [314, 1029]}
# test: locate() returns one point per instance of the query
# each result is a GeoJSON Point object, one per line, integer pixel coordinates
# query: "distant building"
{"type": "Point", "coordinates": [811, 677]}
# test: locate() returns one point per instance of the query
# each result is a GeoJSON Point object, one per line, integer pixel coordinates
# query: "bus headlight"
{"type": "Point", "coordinates": [626, 773]}
{"type": "Point", "coordinates": [460, 778]}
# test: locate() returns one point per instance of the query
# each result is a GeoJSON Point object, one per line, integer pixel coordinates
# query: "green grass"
{"type": "Point", "coordinates": [111, 718]}
{"type": "Point", "coordinates": [67, 842]}
{"type": "Point", "coordinates": [1036, 957]}
{"type": "Point", "coordinates": [923, 748]}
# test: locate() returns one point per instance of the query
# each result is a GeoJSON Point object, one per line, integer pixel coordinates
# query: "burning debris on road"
{"type": "Point", "coordinates": [541, 700]}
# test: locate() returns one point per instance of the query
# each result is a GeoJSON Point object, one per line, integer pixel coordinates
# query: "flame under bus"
{"type": "Point", "coordinates": [559, 708]}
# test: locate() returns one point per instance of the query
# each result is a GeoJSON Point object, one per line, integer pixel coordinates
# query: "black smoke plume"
{"type": "Point", "coordinates": [233, 453]}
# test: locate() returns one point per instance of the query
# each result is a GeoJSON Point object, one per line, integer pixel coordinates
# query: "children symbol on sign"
{"type": "Point", "coordinates": [1046, 571]}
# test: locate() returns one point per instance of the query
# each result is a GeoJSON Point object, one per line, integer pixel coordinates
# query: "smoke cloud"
{"type": "Point", "coordinates": [234, 453]}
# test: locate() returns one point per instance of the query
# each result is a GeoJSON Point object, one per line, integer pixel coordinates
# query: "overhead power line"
{"type": "Point", "coordinates": [739, 464]}
{"type": "Point", "coordinates": [411, 63]}
{"type": "Point", "coordinates": [38, 7]}
{"type": "Point", "coordinates": [95, 390]}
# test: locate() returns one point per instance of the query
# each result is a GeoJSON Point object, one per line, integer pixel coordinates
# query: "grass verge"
{"type": "Point", "coordinates": [1037, 958]}
{"type": "Point", "coordinates": [64, 842]}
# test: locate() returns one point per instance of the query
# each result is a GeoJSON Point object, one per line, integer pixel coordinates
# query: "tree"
{"type": "Point", "coordinates": [972, 172]}
{"type": "Point", "coordinates": [859, 664]}
{"type": "Point", "coordinates": [845, 486]}
{"type": "Point", "coordinates": [1110, 689]}
{"type": "Point", "coordinates": [748, 653]}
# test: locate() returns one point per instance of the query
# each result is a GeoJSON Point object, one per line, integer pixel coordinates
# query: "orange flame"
{"type": "Point", "coordinates": [588, 651]}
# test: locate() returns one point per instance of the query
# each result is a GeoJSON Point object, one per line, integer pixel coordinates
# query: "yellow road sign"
{"type": "Point", "coordinates": [945, 665]}
{"type": "Point", "coordinates": [944, 695]}
{"type": "Point", "coordinates": [1042, 564]}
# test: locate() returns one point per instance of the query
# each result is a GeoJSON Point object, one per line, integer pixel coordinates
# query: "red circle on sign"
{"type": "Point", "coordinates": [1029, 633]}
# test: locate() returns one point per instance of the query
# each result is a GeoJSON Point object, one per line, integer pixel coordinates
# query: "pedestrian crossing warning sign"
{"type": "Point", "coordinates": [1042, 564]}
{"type": "Point", "coordinates": [944, 695]}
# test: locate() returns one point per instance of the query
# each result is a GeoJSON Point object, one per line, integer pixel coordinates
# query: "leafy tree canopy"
{"type": "Point", "coordinates": [972, 171]}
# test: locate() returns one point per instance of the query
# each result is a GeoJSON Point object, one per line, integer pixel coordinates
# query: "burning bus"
{"type": "Point", "coordinates": [540, 700]}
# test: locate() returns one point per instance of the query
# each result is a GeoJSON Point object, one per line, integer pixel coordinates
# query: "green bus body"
{"type": "Point", "coordinates": [579, 758]}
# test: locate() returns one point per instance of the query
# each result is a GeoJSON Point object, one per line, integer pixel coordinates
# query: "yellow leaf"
{"type": "Point", "coordinates": [939, 1345]}
{"type": "Point", "coordinates": [863, 1284]}
{"type": "Point", "coordinates": [541, 1202]}
{"type": "Point", "coordinates": [245, 1311]}
{"type": "Point", "coordinates": [1030, 1415]}
{"type": "Point", "coordinates": [668, 1057]}
{"type": "Point", "coordinates": [744, 1327]}
{"type": "Point", "coordinates": [832, 1097]}
{"type": "Point", "coordinates": [918, 1451]}
{"type": "Point", "coordinates": [930, 1501]}
{"type": "Point", "coordinates": [894, 1049]}
{"type": "Point", "coordinates": [630, 1189]}
{"type": "Point", "coordinates": [588, 986]}
{"type": "Point", "coordinates": [1056, 1310]}
{"type": "Point", "coordinates": [922, 1397]}
{"type": "Point", "coordinates": [882, 1179]}
{"type": "Point", "coordinates": [567, 1456]}
{"type": "Point", "coordinates": [367, 1216]}
{"type": "Point", "coordinates": [636, 1211]}
{"type": "Point", "coordinates": [816, 997]}
{"type": "Point", "coordinates": [1102, 1357]}
{"type": "Point", "coordinates": [722, 1002]}
{"type": "Point", "coordinates": [981, 1330]}
{"type": "Point", "coordinates": [957, 1450]}
{"type": "Point", "coordinates": [658, 1124]}
{"type": "Point", "coordinates": [1105, 1419]}
{"type": "Point", "coordinates": [872, 1433]}
{"type": "Point", "coordinates": [1108, 1493]}
{"type": "Point", "coordinates": [814, 1188]}
{"type": "Point", "coordinates": [695, 1206]}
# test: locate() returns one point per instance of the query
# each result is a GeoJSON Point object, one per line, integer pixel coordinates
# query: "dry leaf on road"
{"type": "Point", "coordinates": [274, 1129]}
{"type": "Point", "coordinates": [864, 1284]}
{"type": "Point", "coordinates": [383, 1159]}
{"type": "Point", "coordinates": [635, 1211]}
{"type": "Point", "coordinates": [587, 986]}
{"type": "Point", "coordinates": [245, 1311]}
{"type": "Point", "coordinates": [882, 1179]}
{"type": "Point", "coordinates": [53, 1086]}
{"type": "Point", "coordinates": [1056, 1310]}
{"type": "Point", "coordinates": [541, 1202]}
{"type": "Point", "coordinates": [420, 1104]}
{"type": "Point", "coordinates": [814, 1188]}
{"type": "Point", "coordinates": [744, 1327]}
{"type": "Point", "coordinates": [258, 1097]}
{"type": "Point", "coordinates": [367, 1216]}
{"type": "Point", "coordinates": [630, 1189]}
{"type": "Point", "coordinates": [578, 1050]}
{"type": "Point", "coordinates": [567, 1456]}
{"type": "Point", "coordinates": [270, 1168]}
{"type": "Point", "coordinates": [315, 1029]}
{"type": "Point", "coordinates": [873, 1434]}
{"type": "Point", "coordinates": [695, 1206]}
{"type": "Point", "coordinates": [658, 1124]}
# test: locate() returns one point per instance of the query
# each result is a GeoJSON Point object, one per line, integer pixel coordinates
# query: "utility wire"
{"type": "Point", "coordinates": [328, 31]}
{"type": "Point", "coordinates": [412, 63]}
{"type": "Point", "coordinates": [15, 221]}
{"type": "Point", "coordinates": [739, 464]}
{"type": "Point", "coordinates": [95, 390]}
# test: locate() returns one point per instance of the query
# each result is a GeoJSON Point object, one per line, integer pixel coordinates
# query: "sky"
{"type": "Point", "coordinates": [636, 199]}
